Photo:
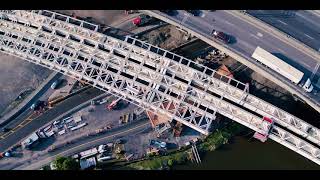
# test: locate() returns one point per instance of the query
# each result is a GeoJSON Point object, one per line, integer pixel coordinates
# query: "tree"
{"type": "Point", "coordinates": [70, 164]}
{"type": "Point", "coordinates": [57, 163]}
{"type": "Point", "coordinates": [63, 163]}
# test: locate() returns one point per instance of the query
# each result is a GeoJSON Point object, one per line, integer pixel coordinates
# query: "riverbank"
{"type": "Point", "coordinates": [218, 138]}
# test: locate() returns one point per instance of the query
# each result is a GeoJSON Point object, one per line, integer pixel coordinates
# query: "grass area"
{"type": "Point", "coordinates": [160, 162]}
{"type": "Point", "coordinates": [220, 137]}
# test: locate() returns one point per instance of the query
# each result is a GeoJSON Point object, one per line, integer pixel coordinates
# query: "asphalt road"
{"type": "Point", "coordinates": [35, 124]}
{"type": "Point", "coordinates": [246, 37]}
{"type": "Point", "coordinates": [89, 142]}
{"type": "Point", "coordinates": [301, 25]}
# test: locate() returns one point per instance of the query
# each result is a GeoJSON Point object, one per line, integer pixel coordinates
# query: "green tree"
{"type": "Point", "coordinates": [70, 164]}
{"type": "Point", "coordinates": [57, 163]}
{"type": "Point", "coordinates": [63, 163]}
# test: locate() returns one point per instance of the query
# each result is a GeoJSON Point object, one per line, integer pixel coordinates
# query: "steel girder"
{"type": "Point", "coordinates": [150, 86]}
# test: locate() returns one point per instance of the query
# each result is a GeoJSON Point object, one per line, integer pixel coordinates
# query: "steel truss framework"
{"type": "Point", "coordinates": [150, 77]}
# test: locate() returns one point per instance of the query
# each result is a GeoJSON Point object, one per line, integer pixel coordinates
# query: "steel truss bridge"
{"type": "Point", "coordinates": [152, 78]}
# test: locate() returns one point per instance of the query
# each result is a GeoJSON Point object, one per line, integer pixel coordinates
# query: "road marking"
{"type": "Point", "coordinates": [254, 36]}
{"type": "Point", "coordinates": [22, 124]}
{"type": "Point", "coordinates": [227, 22]}
{"type": "Point", "coordinates": [116, 134]}
{"type": "Point", "coordinates": [282, 22]}
{"type": "Point", "coordinates": [301, 49]}
{"type": "Point", "coordinates": [308, 36]}
{"type": "Point", "coordinates": [259, 34]}
{"type": "Point", "coordinates": [315, 70]}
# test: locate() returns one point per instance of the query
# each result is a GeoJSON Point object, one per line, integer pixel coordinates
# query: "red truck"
{"type": "Point", "coordinates": [141, 20]}
{"type": "Point", "coordinates": [267, 124]}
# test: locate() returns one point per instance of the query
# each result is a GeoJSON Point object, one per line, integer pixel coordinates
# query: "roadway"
{"type": "Point", "coordinates": [26, 112]}
{"type": "Point", "coordinates": [46, 117]}
{"type": "Point", "coordinates": [87, 143]}
{"type": "Point", "coordinates": [246, 37]}
{"type": "Point", "coordinates": [301, 25]}
{"type": "Point", "coordinates": [24, 117]}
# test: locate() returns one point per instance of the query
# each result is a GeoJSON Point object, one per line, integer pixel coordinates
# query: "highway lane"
{"type": "Point", "coordinates": [45, 94]}
{"type": "Point", "coordinates": [301, 25]}
{"type": "Point", "coordinates": [89, 142]}
{"type": "Point", "coordinates": [32, 126]}
{"type": "Point", "coordinates": [248, 37]}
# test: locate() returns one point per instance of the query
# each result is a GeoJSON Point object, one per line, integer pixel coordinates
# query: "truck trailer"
{"type": "Point", "coordinates": [283, 68]}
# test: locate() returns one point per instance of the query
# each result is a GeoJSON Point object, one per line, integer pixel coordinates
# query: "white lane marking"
{"type": "Point", "coordinates": [315, 70]}
{"type": "Point", "coordinates": [283, 22]}
{"type": "Point", "coordinates": [247, 44]}
{"type": "Point", "coordinates": [227, 22]}
{"type": "Point", "coordinates": [281, 51]}
{"type": "Point", "coordinates": [308, 36]}
{"type": "Point", "coordinates": [254, 36]}
{"type": "Point", "coordinates": [259, 34]}
{"type": "Point", "coordinates": [307, 65]}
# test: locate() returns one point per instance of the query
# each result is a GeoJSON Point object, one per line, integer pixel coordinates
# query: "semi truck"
{"type": "Point", "coordinates": [283, 68]}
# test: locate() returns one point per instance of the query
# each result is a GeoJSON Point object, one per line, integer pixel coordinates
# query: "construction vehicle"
{"type": "Point", "coordinates": [266, 126]}
{"type": "Point", "coordinates": [141, 20]}
{"type": "Point", "coordinates": [113, 104]}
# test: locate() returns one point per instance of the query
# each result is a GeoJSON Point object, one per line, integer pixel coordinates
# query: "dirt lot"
{"type": "Point", "coordinates": [108, 17]}
{"type": "Point", "coordinates": [166, 37]}
{"type": "Point", "coordinates": [16, 76]}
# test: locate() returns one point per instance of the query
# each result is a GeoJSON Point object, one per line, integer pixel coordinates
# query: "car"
{"type": "Point", "coordinates": [35, 105]}
{"type": "Point", "coordinates": [221, 36]}
{"type": "Point", "coordinates": [55, 84]}
{"type": "Point", "coordinates": [193, 12]}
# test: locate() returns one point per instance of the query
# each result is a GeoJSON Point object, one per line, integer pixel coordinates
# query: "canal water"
{"type": "Point", "coordinates": [245, 153]}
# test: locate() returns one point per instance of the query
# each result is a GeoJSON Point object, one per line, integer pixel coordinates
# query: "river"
{"type": "Point", "coordinates": [245, 153]}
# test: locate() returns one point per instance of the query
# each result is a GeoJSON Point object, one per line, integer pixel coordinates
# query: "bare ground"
{"type": "Point", "coordinates": [16, 76]}
{"type": "Point", "coordinates": [166, 37]}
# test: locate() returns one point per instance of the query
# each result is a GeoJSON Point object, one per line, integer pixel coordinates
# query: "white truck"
{"type": "Point", "coordinates": [282, 68]}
